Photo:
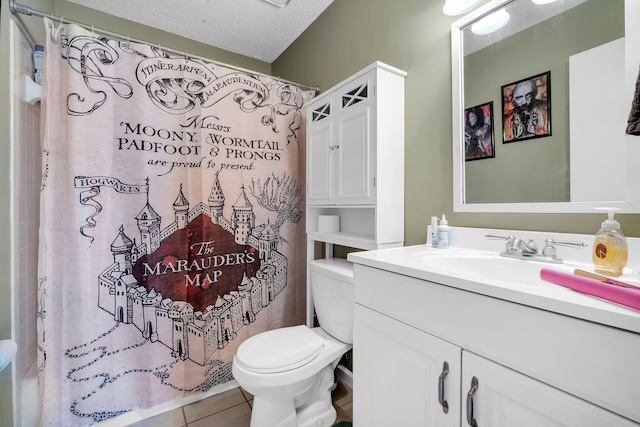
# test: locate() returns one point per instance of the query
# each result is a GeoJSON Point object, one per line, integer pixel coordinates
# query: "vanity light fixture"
{"type": "Point", "coordinates": [279, 3]}
{"type": "Point", "coordinates": [491, 23]}
{"type": "Point", "coordinates": [458, 7]}
{"type": "Point", "coordinates": [543, 1]}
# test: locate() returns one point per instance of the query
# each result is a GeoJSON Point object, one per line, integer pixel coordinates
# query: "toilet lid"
{"type": "Point", "coordinates": [279, 350]}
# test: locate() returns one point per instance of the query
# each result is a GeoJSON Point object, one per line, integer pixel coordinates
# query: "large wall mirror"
{"type": "Point", "coordinates": [540, 106]}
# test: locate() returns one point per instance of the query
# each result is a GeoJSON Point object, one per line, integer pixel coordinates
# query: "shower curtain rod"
{"type": "Point", "coordinates": [27, 10]}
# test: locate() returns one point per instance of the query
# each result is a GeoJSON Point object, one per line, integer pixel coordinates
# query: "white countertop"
{"type": "Point", "coordinates": [410, 261]}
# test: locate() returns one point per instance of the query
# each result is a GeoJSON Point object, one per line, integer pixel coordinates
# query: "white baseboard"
{"type": "Point", "coordinates": [345, 375]}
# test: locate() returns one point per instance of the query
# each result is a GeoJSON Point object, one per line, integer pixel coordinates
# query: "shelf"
{"type": "Point", "coordinates": [312, 206]}
{"type": "Point", "coordinates": [360, 241]}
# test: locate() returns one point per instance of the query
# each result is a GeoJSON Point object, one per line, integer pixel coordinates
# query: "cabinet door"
{"type": "Point", "coordinates": [354, 144]}
{"type": "Point", "coordinates": [396, 374]}
{"type": "Point", "coordinates": [320, 153]}
{"type": "Point", "coordinates": [503, 397]}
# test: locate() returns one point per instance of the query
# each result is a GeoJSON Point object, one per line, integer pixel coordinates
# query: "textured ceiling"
{"type": "Point", "coordinates": [253, 28]}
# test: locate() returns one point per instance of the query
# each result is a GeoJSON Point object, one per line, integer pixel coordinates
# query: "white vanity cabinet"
{"type": "Point", "coordinates": [533, 367]}
{"type": "Point", "coordinates": [355, 159]}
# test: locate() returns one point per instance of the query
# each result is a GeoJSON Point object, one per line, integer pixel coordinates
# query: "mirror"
{"type": "Point", "coordinates": [554, 87]}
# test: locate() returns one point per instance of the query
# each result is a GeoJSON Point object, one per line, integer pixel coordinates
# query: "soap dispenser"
{"type": "Point", "coordinates": [610, 247]}
{"type": "Point", "coordinates": [444, 233]}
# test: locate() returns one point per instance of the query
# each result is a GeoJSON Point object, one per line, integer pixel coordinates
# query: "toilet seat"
{"type": "Point", "coordinates": [279, 350]}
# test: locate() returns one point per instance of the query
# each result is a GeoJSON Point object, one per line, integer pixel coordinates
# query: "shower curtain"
{"type": "Point", "coordinates": [172, 223]}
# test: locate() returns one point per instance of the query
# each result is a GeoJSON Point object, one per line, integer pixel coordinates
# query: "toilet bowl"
{"type": "Point", "coordinates": [290, 371]}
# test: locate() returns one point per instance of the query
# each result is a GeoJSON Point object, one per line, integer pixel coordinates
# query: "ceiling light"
{"type": "Point", "coordinates": [458, 7]}
{"type": "Point", "coordinates": [279, 3]}
{"type": "Point", "coordinates": [543, 1]}
{"type": "Point", "coordinates": [491, 23]}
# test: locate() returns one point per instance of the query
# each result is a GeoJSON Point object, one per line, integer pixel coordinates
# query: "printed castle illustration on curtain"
{"type": "Point", "coordinates": [171, 223]}
{"type": "Point", "coordinates": [175, 323]}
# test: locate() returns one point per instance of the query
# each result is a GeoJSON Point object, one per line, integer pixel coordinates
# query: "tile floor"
{"type": "Point", "coordinates": [233, 409]}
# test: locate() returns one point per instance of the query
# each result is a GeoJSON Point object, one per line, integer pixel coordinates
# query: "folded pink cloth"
{"type": "Point", "coordinates": [629, 297]}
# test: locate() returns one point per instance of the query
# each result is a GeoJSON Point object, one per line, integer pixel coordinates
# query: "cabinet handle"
{"type": "Point", "coordinates": [443, 375]}
{"type": "Point", "coordinates": [472, 391]}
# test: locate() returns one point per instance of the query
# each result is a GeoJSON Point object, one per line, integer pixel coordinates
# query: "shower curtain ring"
{"type": "Point", "coordinates": [56, 31]}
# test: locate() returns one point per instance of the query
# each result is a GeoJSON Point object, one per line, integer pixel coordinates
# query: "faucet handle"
{"type": "Point", "coordinates": [511, 244]}
{"type": "Point", "coordinates": [499, 237]}
{"type": "Point", "coordinates": [550, 245]}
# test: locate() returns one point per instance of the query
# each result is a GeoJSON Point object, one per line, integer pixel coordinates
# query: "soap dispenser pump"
{"type": "Point", "coordinates": [610, 247]}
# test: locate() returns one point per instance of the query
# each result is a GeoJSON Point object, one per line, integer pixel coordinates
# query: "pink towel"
{"type": "Point", "coordinates": [629, 297]}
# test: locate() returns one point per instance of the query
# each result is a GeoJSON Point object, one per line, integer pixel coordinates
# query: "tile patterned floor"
{"type": "Point", "coordinates": [233, 409]}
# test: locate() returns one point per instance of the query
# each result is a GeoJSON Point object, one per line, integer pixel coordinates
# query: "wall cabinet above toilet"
{"type": "Point", "coordinates": [355, 159]}
{"type": "Point", "coordinates": [339, 146]}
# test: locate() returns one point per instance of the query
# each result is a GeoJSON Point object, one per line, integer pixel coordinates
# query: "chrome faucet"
{"type": "Point", "coordinates": [525, 248]}
{"type": "Point", "coordinates": [515, 245]}
{"type": "Point", "coordinates": [518, 248]}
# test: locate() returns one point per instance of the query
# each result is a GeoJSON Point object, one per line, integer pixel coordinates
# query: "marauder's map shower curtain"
{"type": "Point", "coordinates": [171, 223]}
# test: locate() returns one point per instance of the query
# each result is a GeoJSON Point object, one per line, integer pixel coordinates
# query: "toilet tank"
{"type": "Point", "coordinates": [332, 293]}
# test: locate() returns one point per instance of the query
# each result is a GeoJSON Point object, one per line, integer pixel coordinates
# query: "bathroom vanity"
{"type": "Point", "coordinates": [437, 344]}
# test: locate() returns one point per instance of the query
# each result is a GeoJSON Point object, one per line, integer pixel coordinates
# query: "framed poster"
{"type": "Point", "coordinates": [526, 108]}
{"type": "Point", "coordinates": [478, 132]}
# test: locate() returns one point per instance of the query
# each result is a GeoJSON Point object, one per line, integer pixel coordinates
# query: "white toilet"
{"type": "Point", "coordinates": [290, 371]}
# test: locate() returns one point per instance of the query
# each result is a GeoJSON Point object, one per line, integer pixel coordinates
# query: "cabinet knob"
{"type": "Point", "coordinates": [472, 392]}
{"type": "Point", "coordinates": [443, 375]}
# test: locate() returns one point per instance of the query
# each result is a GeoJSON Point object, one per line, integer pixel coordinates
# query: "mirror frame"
{"type": "Point", "coordinates": [632, 59]}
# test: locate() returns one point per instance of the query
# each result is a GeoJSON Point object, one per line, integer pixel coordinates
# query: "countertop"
{"type": "Point", "coordinates": [410, 261]}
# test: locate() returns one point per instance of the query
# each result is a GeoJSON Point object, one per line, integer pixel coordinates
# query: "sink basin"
{"type": "Point", "coordinates": [487, 267]}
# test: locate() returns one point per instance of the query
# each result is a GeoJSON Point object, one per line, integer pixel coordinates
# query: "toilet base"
{"type": "Point", "coordinates": [319, 410]}
{"type": "Point", "coordinates": [311, 409]}
{"type": "Point", "coordinates": [273, 413]}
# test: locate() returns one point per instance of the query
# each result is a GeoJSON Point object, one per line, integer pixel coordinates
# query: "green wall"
{"type": "Point", "coordinates": [413, 35]}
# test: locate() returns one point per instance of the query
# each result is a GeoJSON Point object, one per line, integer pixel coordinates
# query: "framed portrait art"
{"type": "Point", "coordinates": [526, 108]}
{"type": "Point", "coordinates": [478, 132]}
